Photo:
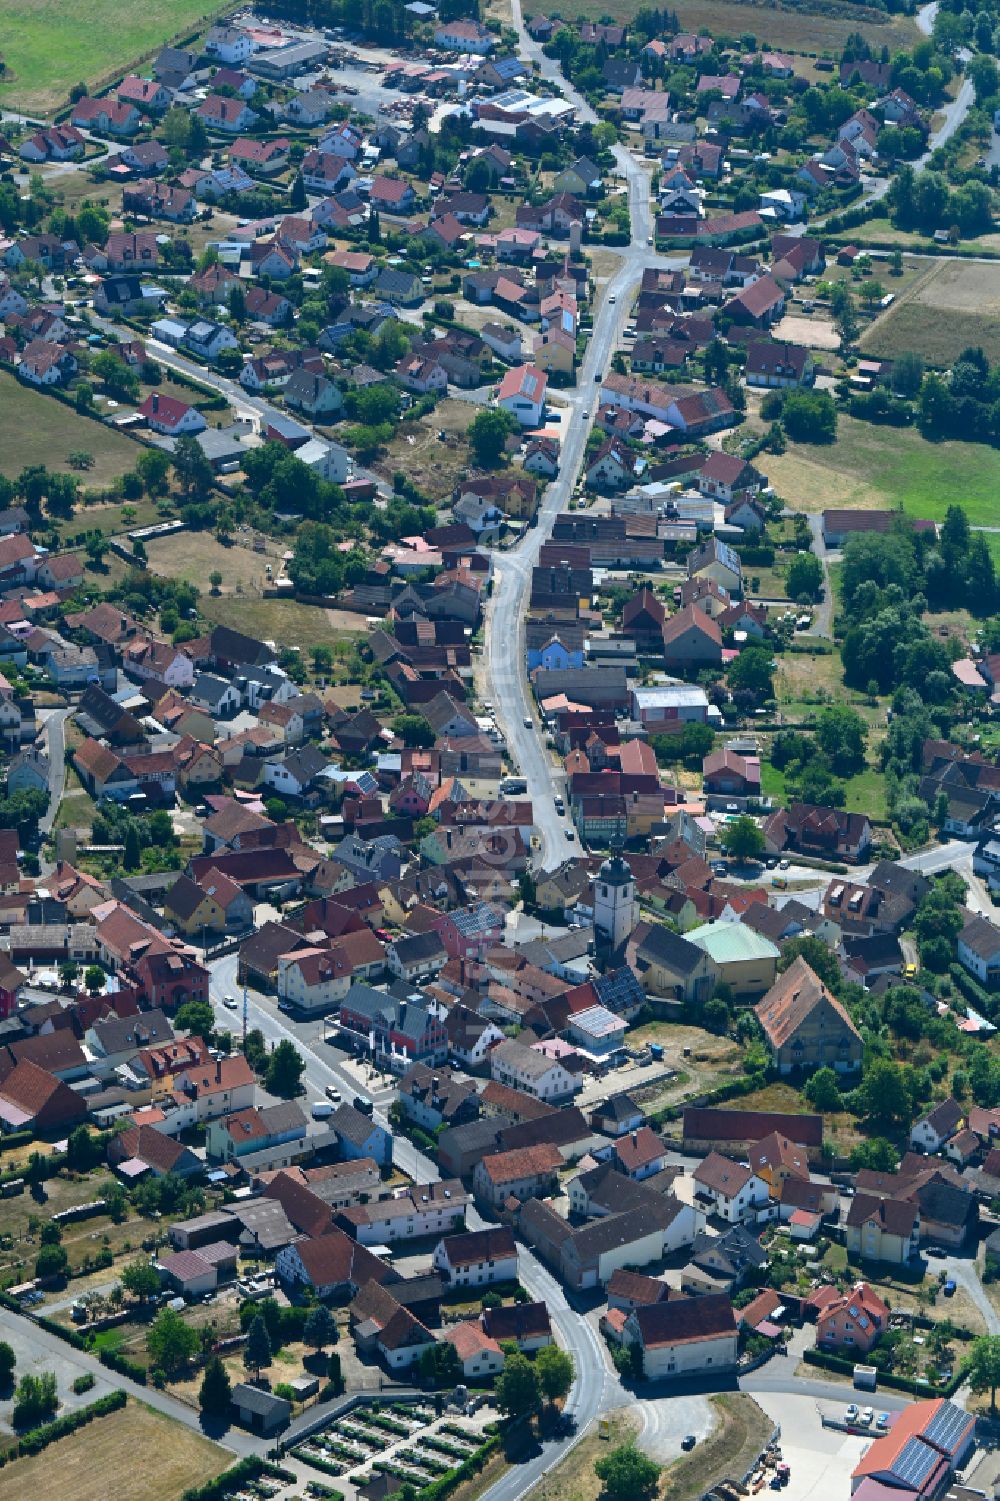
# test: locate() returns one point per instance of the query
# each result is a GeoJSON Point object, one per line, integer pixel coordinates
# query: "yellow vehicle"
{"type": "Point", "coordinates": [779, 883]}
{"type": "Point", "coordinates": [910, 971]}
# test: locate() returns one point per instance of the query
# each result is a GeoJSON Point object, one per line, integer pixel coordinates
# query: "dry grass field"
{"type": "Point", "coordinates": [195, 556]}
{"type": "Point", "coordinates": [955, 304]}
{"type": "Point", "coordinates": [132, 1455]}
{"type": "Point", "coordinates": [798, 28]}
{"type": "Point", "coordinates": [431, 463]}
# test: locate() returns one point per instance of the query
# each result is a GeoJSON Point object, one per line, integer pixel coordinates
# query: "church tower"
{"type": "Point", "coordinates": [614, 901]}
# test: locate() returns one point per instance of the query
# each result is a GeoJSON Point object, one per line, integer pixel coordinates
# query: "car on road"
{"type": "Point", "coordinates": [528, 722]}
{"type": "Point", "coordinates": [910, 971]}
{"type": "Point", "coordinates": [598, 375]}
{"type": "Point", "coordinates": [852, 1414]}
{"type": "Point", "coordinates": [230, 1003]}
{"type": "Point", "coordinates": [688, 1441]}
{"type": "Point", "coordinates": [571, 835]}
{"type": "Point", "coordinates": [586, 411]}
{"type": "Point", "coordinates": [365, 1106]}
{"type": "Point", "coordinates": [333, 1093]}
{"type": "Point", "coordinates": [612, 298]}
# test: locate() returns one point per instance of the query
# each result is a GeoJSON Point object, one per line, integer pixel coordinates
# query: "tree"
{"type": "Point", "coordinates": [841, 733]}
{"type": "Point", "coordinates": [627, 1474]}
{"type": "Point", "coordinates": [517, 1389]}
{"type": "Point", "coordinates": [488, 434]}
{"type": "Point", "coordinates": [810, 416]}
{"type": "Point", "coordinates": [153, 467]}
{"type": "Point", "coordinates": [983, 1367]}
{"type": "Point", "coordinates": [822, 1090]}
{"type": "Point", "coordinates": [285, 1068]}
{"type": "Point", "coordinates": [51, 1261]}
{"type": "Point", "coordinates": [257, 1350]}
{"type": "Point", "coordinates": [215, 579]}
{"type": "Point", "coordinates": [804, 579]}
{"type": "Point", "coordinates": [171, 1342]}
{"type": "Point", "coordinates": [82, 1150]}
{"type": "Point", "coordinates": [297, 193]}
{"type": "Point", "coordinates": [195, 1016]}
{"type": "Point", "coordinates": [141, 1280]}
{"type": "Point", "coordinates": [555, 1371]}
{"type": "Point", "coordinates": [192, 467]}
{"type": "Point", "coordinates": [8, 1360]}
{"type": "Point", "coordinates": [715, 1015]}
{"type": "Point", "coordinates": [820, 959]}
{"type": "Point", "coordinates": [413, 730]}
{"type": "Point", "coordinates": [94, 978]}
{"type": "Point", "coordinates": [215, 1394]}
{"type": "Point", "coordinates": [96, 546]}
{"type": "Point", "coordinates": [743, 840]}
{"type": "Point", "coordinates": [81, 458]}
{"type": "Point", "coordinates": [440, 1365]}
{"type": "Point", "coordinates": [132, 855]}
{"type": "Point", "coordinates": [751, 673]}
{"type": "Point", "coordinates": [883, 1096]}
{"type": "Point", "coordinates": [320, 1328]}
{"type": "Point", "coordinates": [35, 1401]}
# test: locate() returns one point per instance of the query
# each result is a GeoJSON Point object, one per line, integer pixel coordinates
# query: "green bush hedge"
{"type": "Point", "coordinates": [40, 1438]}
{"type": "Point", "coordinates": [233, 1479]}
{"type": "Point", "coordinates": [467, 1470]}
{"type": "Point", "coordinates": [887, 1378]}
{"type": "Point", "coordinates": [125, 1367]}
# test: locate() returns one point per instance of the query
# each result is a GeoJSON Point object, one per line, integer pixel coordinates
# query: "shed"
{"type": "Point", "coordinates": [262, 1412]}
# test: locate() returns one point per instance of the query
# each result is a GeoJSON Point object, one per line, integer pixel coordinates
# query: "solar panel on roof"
{"type": "Point", "coordinates": [946, 1427]}
{"type": "Point", "coordinates": [914, 1463]}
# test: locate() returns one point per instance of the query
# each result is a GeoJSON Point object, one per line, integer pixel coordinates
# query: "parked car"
{"type": "Point", "coordinates": [688, 1441]}
{"type": "Point", "coordinates": [852, 1414]}
{"type": "Point", "coordinates": [867, 1416]}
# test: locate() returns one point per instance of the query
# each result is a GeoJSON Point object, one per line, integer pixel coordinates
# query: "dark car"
{"type": "Point", "coordinates": [688, 1442]}
{"type": "Point", "coordinates": [365, 1106]}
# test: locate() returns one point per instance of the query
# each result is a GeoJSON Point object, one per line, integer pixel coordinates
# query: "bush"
{"type": "Point", "coordinates": [83, 1383]}
{"type": "Point", "coordinates": [238, 1477]}
{"type": "Point", "coordinates": [121, 1363]}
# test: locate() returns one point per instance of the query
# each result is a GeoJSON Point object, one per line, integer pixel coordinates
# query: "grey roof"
{"type": "Point", "coordinates": [981, 937]}
{"type": "Point", "coordinates": [666, 947]}
{"type": "Point", "coordinates": [263, 1404]}
{"type": "Point", "coordinates": [350, 1123]}
{"type": "Point", "coordinates": [211, 688]}
{"type": "Point", "coordinates": [304, 764]}
{"type": "Point", "coordinates": [116, 1033]}
{"type": "Point", "coordinates": [419, 946]}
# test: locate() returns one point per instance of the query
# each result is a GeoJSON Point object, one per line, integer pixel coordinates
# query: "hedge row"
{"type": "Point", "coordinates": [121, 1363]}
{"type": "Point", "coordinates": [317, 1463]}
{"type": "Point", "coordinates": [888, 1378]}
{"type": "Point", "coordinates": [971, 989]}
{"type": "Point", "coordinates": [467, 1470]}
{"type": "Point", "coordinates": [238, 1475]}
{"type": "Point", "coordinates": [40, 1438]}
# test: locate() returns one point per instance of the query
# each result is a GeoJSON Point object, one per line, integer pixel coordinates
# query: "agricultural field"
{"type": "Point", "coordinates": [37, 429]}
{"type": "Point", "coordinates": [957, 303]}
{"type": "Point", "coordinates": [150, 1458]}
{"type": "Point", "coordinates": [871, 467]}
{"type": "Point", "coordinates": [799, 28]}
{"type": "Point", "coordinates": [49, 47]}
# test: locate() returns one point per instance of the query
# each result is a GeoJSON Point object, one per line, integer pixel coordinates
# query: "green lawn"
{"type": "Point", "coordinates": [864, 793]}
{"type": "Point", "coordinates": [873, 467]}
{"type": "Point", "coordinates": [48, 46]}
{"type": "Point", "coordinates": [38, 429]}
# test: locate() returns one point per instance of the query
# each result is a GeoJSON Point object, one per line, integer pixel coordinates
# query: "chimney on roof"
{"type": "Point", "coordinates": [156, 401]}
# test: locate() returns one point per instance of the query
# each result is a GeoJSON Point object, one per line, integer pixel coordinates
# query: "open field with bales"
{"type": "Point", "coordinates": [957, 303]}
{"type": "Point", "coordinates": [49, 47]}
{"type": "Point", "coordinates": [36, 429]}
{"type": "Point", "coordinates": [134, 1454]}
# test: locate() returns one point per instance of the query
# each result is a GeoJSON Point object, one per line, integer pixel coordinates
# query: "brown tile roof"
{"type": "Point", "coordinates": [722, 1175]}
{"type": "Point", "coordinates": [685, 1321]}
{"type": "Point", "coordinates": [523, 1162]}
{"type": "Point", "coordinates": [894, 1216]}
{"type": "Point", "coordinates": [792, 998]}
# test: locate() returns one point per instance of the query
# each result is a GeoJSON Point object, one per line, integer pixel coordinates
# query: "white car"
{"type": "Point", "coordinates": [612, 298]}
{"type": "Point", "coordinates": [852, 1413]}
{"type": "Point", "coordinates": [230, 1003]}
{"type": "Point", "coordinates": [867, 1416]}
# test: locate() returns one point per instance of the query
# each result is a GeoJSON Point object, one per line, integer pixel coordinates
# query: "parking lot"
{"type": "Point", "coordinates": [820, 1459]}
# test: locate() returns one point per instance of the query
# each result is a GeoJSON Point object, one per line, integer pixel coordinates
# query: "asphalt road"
{"type": "Point", "coordinates": [55, 744]}
{"type": "Point", "coordinates": [504, 650]}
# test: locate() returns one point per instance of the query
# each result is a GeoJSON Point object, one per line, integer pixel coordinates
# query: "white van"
{"type": "Point", "coordinates": [321, 1110]}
